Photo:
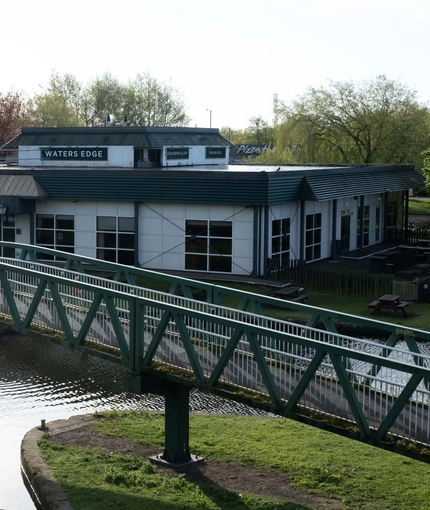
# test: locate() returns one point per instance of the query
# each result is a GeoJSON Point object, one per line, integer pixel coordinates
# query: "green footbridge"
{"type": "Point", "coordinates": [192, 334]}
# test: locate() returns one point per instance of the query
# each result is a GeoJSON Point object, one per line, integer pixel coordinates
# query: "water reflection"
{"type": "Point", "coordinates": [41, 380]}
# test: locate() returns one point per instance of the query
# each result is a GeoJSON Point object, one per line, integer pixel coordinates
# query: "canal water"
{"type": "Point", "coordinates": [42, 380]}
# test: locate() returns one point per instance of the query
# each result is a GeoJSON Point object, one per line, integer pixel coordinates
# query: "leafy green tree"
{"type": "Point", "coordinates": [236, 136]}
{"type": "Point", "coordinates": [260, 131]}
{"type": "Point", "coordinates": [380, 121]}
{"type": "Point", "coordinates": [105, 96]}
{"type": "Point", "coordinates": [257, 133]}
{"type": "Point", "coordinates": [148, 102]}
{"type": "Point", "coordinates": [71, 91]}
{"type": "Point", "coordinates": [50, 110]}
{"type": "Point", "coordinates": [144, 101]}
{"type": "Point", "coordinates": [426, 170]}
{"type": "Point", "coordinates": [273, 156]}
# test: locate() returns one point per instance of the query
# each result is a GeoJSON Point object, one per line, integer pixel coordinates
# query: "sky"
{"type": "Point", "coordinates": [227, 58]}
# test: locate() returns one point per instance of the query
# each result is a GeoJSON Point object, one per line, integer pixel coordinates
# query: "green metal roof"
{"type": "Point", "coordinates": [332, 183]}
{"type": "Point", "coordinates": [244, 184]}
{"type": "Point", "coordinates": [138, 137]}
{"type": "Point", "coordinates": [23, 186]}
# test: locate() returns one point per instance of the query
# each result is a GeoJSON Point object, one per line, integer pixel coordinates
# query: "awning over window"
{"type": "Point", "coordinates": [22, 186]}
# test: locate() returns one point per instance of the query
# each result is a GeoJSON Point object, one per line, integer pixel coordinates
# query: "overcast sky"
{"type": "Point", "coordinates": [227, 56]}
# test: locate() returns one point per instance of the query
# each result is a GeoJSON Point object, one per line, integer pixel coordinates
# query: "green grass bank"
{"type": "Point", "coordinates": [318, 462]}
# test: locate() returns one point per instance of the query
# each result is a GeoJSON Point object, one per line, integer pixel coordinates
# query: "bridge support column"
{"type": "Point", "coordinates": [177, 424]}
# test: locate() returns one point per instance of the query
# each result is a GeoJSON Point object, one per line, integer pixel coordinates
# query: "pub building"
{"type": "Point", "coordinates": [167, 199]}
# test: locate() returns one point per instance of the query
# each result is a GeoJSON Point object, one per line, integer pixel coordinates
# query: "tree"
{"type": "Point", "coordinates": [379, 121]}
{"type": "Point", "coordinates": [106, 96]}
{"type": "Point", "coordinates": [13, 115]}
{"type": "Point", "coordinates": [50, 110]}
{"type": "Point", "coordinates": [258, 133]}
{"type": "Point", "coordinates": [149, 102]}
{"type": "Point", "coordinates": [426, 170]}
{"type": "Point", "coordinates": [273, 156]}
{"type": "Point", "coordinates": [70, 90]}
{"type": "Point", "coordinates": [144, 101]}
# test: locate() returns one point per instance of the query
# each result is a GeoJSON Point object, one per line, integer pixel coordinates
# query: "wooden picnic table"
{"type": "Point", "coordinates": [389, 302]}
{"type": "Point", "coordinates": [291, 293]}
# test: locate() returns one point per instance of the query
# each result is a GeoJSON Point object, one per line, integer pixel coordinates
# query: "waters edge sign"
{"type": "Point", "coordinates": [75, 154]}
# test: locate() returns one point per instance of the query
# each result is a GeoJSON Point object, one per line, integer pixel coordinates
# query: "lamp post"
{"type": "Point", "coordinates": [210, 117]}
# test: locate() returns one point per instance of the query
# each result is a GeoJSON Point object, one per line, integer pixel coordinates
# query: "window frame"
{"type": "Point", "coordinates": [313, 236]}
{"type": "Point", "coordinates": [115, 237]}
{"type": "Point", "coordinates": [56, 231]}
{"type": "Point", "coordinates": [208, 245]}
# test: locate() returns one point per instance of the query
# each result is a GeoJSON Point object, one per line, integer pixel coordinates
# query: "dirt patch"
{"type": "Point", "coordinates": [228, 475]}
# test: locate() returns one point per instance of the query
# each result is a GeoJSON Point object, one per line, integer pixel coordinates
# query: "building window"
{"type": "Point", "coordinates": [377, 222]}
{"type": "Point", "coordinates": [208, 245]}
{"type": "Point", "coordinates": [281, 242]}
{"type": "Point", "coordinates": [56, 231]}
{"type": "Point", "coordinates": [392, 209]}
{"type": "Point", "coordinates": [7, 233]}
{"type": "Point", "coordinates": [115, 239]}
{"type": "Point", "coordinates": [366, 225]}
{"type": "Point", "coordinates": [313, 236]}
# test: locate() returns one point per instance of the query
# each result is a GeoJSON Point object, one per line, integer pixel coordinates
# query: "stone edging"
{"type": "Point", "coordinates": [43, 487]}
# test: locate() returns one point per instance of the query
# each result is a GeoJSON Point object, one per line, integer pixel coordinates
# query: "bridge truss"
{"type": "Point", "coordinates": [376, 392]}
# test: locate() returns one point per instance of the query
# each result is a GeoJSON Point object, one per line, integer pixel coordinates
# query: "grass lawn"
{"type": "Point", "coordinates": [318, 462]}
{"type": "Point", "coordinates": [360, 476]}
{"type": "Point", "coordinates": [419, 206]}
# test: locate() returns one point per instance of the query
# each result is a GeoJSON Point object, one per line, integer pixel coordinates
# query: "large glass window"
{"type": "Point", "coordinates": [208, 245]}
{"type": "Point", "coordinates": [115, 239]}
{"type": "Point", "coordinates": [56, 231]}
{"type": "Point", "coordinates": [281, 242]}
{"type": "Point", "coordinates": [313, 236]}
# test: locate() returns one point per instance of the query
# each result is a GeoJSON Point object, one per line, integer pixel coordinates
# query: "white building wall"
{"type": "Point", "coordinates": [162, 233]}
{"type": "Point", "coordinates": [122, 157]}
{"type": "Point", "coordinates": [85, 214]}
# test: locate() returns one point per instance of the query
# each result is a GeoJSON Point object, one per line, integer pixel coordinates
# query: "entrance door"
{"type": "Point", "coordinates": [345, 231]}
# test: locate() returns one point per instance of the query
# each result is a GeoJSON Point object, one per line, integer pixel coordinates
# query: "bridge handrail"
{"type": "Point", "coordinates": [275, 364]}
{"type": "Point", "coordinates": [214, 292]}
{"type": "Point", "coordinates": [203, 310]}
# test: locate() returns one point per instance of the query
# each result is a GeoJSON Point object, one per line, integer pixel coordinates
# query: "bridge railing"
{"type": "Point", "coordinates": [288, 368]}
{"type": "Point", "coordinates": [217, 294]}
